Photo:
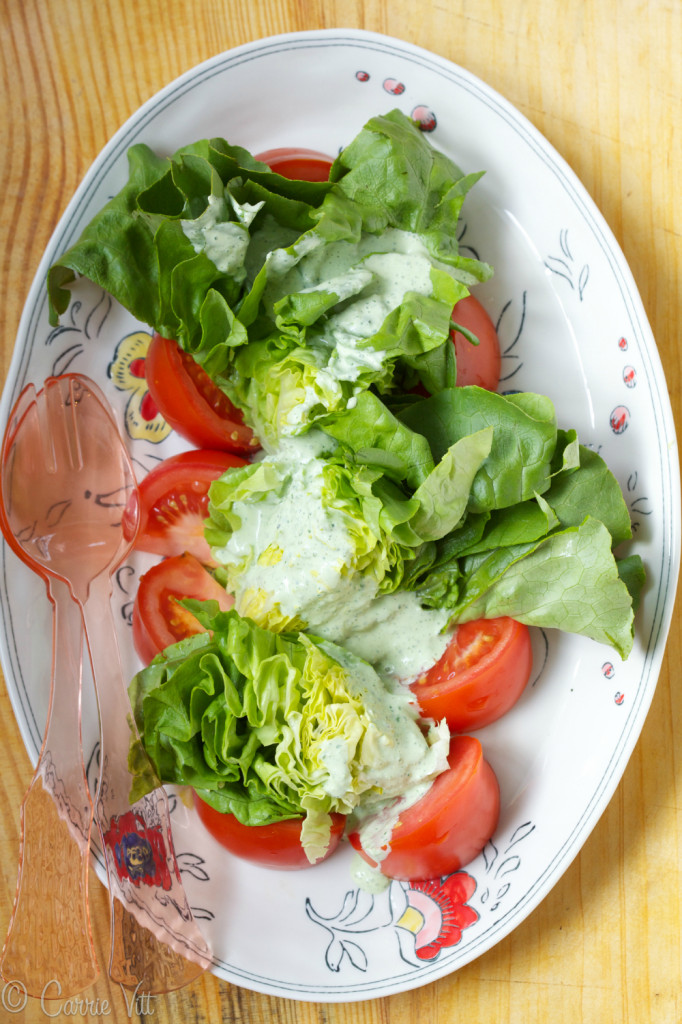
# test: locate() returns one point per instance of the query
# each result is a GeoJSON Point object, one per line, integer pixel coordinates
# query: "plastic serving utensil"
{"type": "Point", "coordinates": [67, 479]}
{"type": "Point", "coordinates": [49, 937]}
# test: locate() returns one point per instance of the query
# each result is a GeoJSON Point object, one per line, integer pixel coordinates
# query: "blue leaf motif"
{"type": "Point", "coordinates": [334, 954]}
{"type": "Point", "coordinates": [522, 832]}
{"type": "Point", "coordinates": [192, 864]}
{"type": "Point", "coordinates": [564, 266]}
{"type": "Point", "coordinates": [356, 955]}
{"type": "Point", "coordinates": [202, 914]}
{"type": "Point", "coordinates": [509, 864]}
{"type": "Point", "coordinates": [489, 854]}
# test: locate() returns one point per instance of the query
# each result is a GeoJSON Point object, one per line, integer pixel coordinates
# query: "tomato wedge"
{"type": "Point", "coordinates": [476, 364]}
{"type": "Point", "coordinates": [450, 825]}
{"type": "Point", "coordinates": [158, 619]}
{"type": "Point", "coordinates": [191, 402]}
{"type": "Point", "coordinates": [481, 675]}
{"type": "Point", "coordinates": [272, 846]}
{"type": "Point", "coordinates": [298, 164]}
{"type": "Point", "coordinates": [174, 503]}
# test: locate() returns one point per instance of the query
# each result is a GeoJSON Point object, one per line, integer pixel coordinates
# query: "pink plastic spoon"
{"type": "Point", "coordinates": [66, 480]}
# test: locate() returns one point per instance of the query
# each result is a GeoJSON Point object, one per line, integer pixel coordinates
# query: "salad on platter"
{"type": "Point", "coordinates": [353, 555]}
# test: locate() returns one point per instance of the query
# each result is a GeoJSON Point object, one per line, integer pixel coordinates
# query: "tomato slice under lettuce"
{"type": "Point", "coordinates": [159, 620]}
{"type": "Point", "coordinates": [277, 845]}
{"type": "Point", "coordinates": [297, 164]}
{"type": "Point", "coordinates": [476, 364]}
{"type": "Point", "coordinates": [191, 402]}
{"type": "Point", "coordinates": [173, 500]}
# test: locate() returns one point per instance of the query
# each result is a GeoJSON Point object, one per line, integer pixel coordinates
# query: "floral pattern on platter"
{"type": "Point", "coordinates": [638, 504]}
{"type": "Point", "coordinates": [499, 866]}
{"type": "Point", "coordinates": [435, 915]}
{"type": "Point", "coordinates": [425, 917]}
{"type": "Point", "coordinates": [82, 326]}
{"type": "Point", "coordinates": [512, 363]}
{"type": "Point", "coordinates": [143, 420]}
{"type": "Point", "coordinates": [139, 850]}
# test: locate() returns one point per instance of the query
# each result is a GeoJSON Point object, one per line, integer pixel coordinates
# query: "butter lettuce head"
{"type": "Point", "coordinates": [297, 535]}
{"type": "Point", "coordinates": [269, 727]}
{"type": "Point", "coordinates": [313, 290]}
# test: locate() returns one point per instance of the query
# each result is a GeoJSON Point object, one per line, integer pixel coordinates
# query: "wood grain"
{"type": "Point", "coordinates": [602, 79]}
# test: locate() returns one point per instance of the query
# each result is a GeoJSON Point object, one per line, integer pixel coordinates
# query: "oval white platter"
{"type": "Point", "coordinates": [572, 326]}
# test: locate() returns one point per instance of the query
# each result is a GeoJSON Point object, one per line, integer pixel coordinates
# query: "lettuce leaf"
{"type": "Point", "coordinates": [492, 522]}
{"type": "Point", "coordinates": [546, 560]}
{"type": "Point", "coordinates": [568, 580]}
{"type": "Point", "coordinates": [524, 439]}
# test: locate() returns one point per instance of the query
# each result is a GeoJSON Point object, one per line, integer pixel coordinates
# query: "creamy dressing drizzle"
{"type": "Point", "coordinates": [370, 278]}
{"type": "Point", "coordinates": [224, 241]}
{"type": "Point", "coordinates": [295, 558]}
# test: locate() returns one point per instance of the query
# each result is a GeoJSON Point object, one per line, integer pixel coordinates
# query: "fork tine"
{"type": "Point", "coordinates": [57, 403]}
{"type": "Point", "coordinates": [14, 440]}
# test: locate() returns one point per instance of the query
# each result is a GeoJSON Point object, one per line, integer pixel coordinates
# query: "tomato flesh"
{"type": "Point", "coordinates": [173, 501]}
{"type": "Point", "coordinates": [298, 164]}
{"type": "Point", "coordinates": [476, 364]}
{"type": "Point", "coordinates": [481, 675]}
{"type": "Point", "coordinates": [277, 845]}
{"type": "Point", "coordinates": [191, 402]}
{"type": "Point", "coordinates": [450, 825]}
{"type": "Point", "coordinates": [158, 619]}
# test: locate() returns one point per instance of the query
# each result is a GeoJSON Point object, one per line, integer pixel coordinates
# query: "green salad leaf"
{"type": "Point", "coordinates": [360, 531]}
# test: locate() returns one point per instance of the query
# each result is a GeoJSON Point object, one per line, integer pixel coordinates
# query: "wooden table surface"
{"type": "Point", "coordinates": [602, 79]}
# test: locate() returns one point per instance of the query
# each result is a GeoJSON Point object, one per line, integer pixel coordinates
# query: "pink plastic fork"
{"type": "Point", "coordinates": [49, 937]}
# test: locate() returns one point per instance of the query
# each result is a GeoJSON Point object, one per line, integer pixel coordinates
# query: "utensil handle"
{"type": "Point", "coordinates": [136, 837]}
{"type": "Point", "coordinates": [49, 946]}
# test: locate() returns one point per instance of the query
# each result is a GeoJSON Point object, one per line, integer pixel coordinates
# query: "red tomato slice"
{"type": "Point", "coordinates": [476, 364]}
{"type": "Point", "coordinates": [158, 619]}
{"type": "Point", "coordinates": [298, 164]}
{"type": "Point", "coordinates": [174, 503]}
{"type": "Point", "coordinates": [191, 403]}
{"type": "Point", "coordinates": [272, 846]}
{"type": "Point", "coordinates": [450, 825]}
{"type": "Point", "coordinates": [480, 676]}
